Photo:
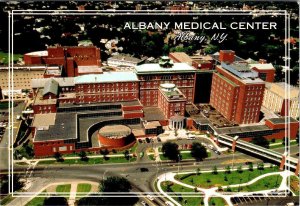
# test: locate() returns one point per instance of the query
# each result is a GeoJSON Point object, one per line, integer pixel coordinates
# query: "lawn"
{"type": "Point", "coordinates": [295, 184]}
{"type": "Point", "coordinates": [208, 180]}
{"type": "Point", "coordinates": [217, 201]}
{"type": "Point", "coordinates": [83, 187]}
{"type": "Point", "coordinates": [4, 57]}
{"type": "Point", "coordinates": [266, 183]}
{"type": "Point", "coordinates": [63, 188]}
{"type": "Point", "coordinates": [37, 201]}
{"type": "Point", "coordinates": [98, 160]}
{"type": "Point", "coordinates": [168, 186]}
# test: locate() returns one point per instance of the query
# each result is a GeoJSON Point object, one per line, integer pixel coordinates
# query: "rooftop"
{"type": "Point", "coordinates": [89, 69]}
{"type": "Point", "coordinates": [156, 68]}
{"type": "Point", "coordinates": [106, 77]}
{"type": "Point", "coordinates": [44, 120]}
{"type": "Point", "coordinates": [181, 57]}
{"type": "Point", "coordinates": [124, 57]}
{"type": "Point", "coordinates": [51, 86]}
{"type": "Point", "coordinates": [153, 113]}
{"type": "Point", "coordinates": [38, 53]}
{"type": "Point", "coordinates": [280, 89]}
{"type": "Point", "coordinates": [262, 66]}
{"type": "Point", "coordinates": [62, 81]}
{"type": "Point", "coordinates": [282, 120]}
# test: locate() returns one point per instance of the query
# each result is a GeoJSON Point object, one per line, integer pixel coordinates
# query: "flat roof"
{"type": "Point", "coordinates": [156, 68]}
{"type": "Point", "coordinates": [62, 82]}
{"type": "Point", "coordinates": [106, 77]}
{"type": "Point", "coordinates": [44, 120]}
{"type": "Point", "coordinates": [153, 113]}
{"type": "Point", "coordinates": [268, 66]}
{"type": "Point", "coordinates": [124, 57]}
{"type": "Point", "coordinates": [152, 124]}
{"type": "Point", "coordinates": [89, 69]}
{"type": "Point", "coordinates": [281, 120]}
{"type": "Point", "coordinates": [63, 129]}
{"type": "Point", "coordinates": [239, 129]}
{"type": "Point", "coordinates": [181, 56]}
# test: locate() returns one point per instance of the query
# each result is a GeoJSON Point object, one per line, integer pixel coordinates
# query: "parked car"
{"type": "Point", "coordinates": [147, 140]}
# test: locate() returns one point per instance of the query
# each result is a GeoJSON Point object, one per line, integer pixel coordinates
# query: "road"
{"type": "Point", "coordinates": [4, 149]}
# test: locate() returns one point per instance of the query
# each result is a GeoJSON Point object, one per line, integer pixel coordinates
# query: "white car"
{"type": "Point", "coordinates": [150, 197]}
{"type": "Point", "coordinates": [144, 203]}
{"type": "Point", "coordinates": [168, 203]}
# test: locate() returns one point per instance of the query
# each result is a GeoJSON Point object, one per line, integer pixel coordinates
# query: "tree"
{"type": "Point", "coordinates": [215, 170]}
{"type": "Point", "coordinates": [261, 141]}
{"type": "Point", "coordinates": [83, 156]}
{"type": "Point", "coordinates": [104, 152]}
{"type": "Point", "coordinates": [16, 180]}
{"type": "Point", "coordinates": [115, 184]}
{"type": "Point", "coordinates": [239, 169]}
{"type": "Point", "coordinates": [127, 155]}
{"type": "Point", "coordinates": [250, 167]}
{"type": "Point", "coordinates": [58, 157]}
{"type": "Point", "coordinates": [198, 171]}
{"type": "Point", "coordinates": [278, 73]}
{"type": "Point", "coordinates": [50, 201]}
{"type": "Point", "coordinates": [260, 166]}
{"type": "Point", "coordinates": [227, 169]}
{"type": "Point", "coordinates": [170, 150]}
{"type": "Point", "coordinates": [198, 151]}
{"type": "Point", "coordinates": [285, 141]}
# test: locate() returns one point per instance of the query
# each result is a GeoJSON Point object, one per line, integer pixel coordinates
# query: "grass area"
{"type": "Point", "coordinates": [208, 180]}
{"type": "Point", "coordinates": [266, 183]}
{"type": "Point", "coordinates": [37, 201]}
{"type": "Point", "coordinates": [63, 188]}
{"type": "Point", "coordinates": [151, 157]}
{"type": "Point", "coordinates": [295, 184]}
{"type": "Point", "coordinates": [4, 57]}
{"type": "Point", "coordinates": [217, 201]}
{"type": "Point", "coordinates": [179, 191]}
{"type": "Point", "coordinates": [84, 187]}
{"type": "Point", "coordinates": [98, 160]}
{"type": "Point", "coordinates": [281, 145]}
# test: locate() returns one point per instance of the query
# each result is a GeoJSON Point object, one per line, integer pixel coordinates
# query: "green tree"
{"type": "Point", "coordinates": [278, 73]}
{"type": "Point", "coordinates": [61, 201]}
{"type": "Point", "coordinates": [198, 151]}
{"type": "Point", "coordinates": [58, 157]}
{"type": "Point", "coordinates": [83, 156]}
{"type": "Point", "coordinates": [198, 171]}
{"type": "Point", "coordinates": [127, 155]}
{"type": "Point", "coordinates": [215, 170]}
{"type": "Point", "coordinates": [115, 184]}
{"type": "Point", "coordinates": [261, 141]}
{"type": "Point", "coordinates": [250, 167]}
{"type": "Point", "coordinates": [227, 169]}
{"type": "Point", "coordinates": [239, 169]}
{"type": "Point", "coordinates": [260, 166]}
{"type": "Point", "coordinates": [170, 150]}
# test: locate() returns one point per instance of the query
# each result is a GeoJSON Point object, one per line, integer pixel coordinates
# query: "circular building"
{"type": "Point", "coordinates": [115, 135]}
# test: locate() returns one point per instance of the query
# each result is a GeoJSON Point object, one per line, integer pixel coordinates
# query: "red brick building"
{"type": "Point", "coordinates": [153, 75]}
{"type": "Point", "coordinates": [265, 71]}
{"type": "Point", "coordinates": [107, 87]}
{"type": "Point", "coordinates": [71, 58]}
{"type": "Point", "coordinates": [237, 92]}
{"type": "Point", "coordinates": [170, 100]}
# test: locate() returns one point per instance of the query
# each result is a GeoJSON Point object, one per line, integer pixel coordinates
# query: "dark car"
{"type": "Point", "coordinates": [144, 169]}
{"type": "Point", "coordinates": [140, 141]}
{"type": "Point", "coordinates": [248, 163]}
{"type": "Point", "coordinates": [147, 140]}
{"type": "Point", "coordinates": [158, 139]}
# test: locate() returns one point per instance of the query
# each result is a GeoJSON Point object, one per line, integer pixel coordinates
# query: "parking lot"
{"type": "Point", "coordinates": [259, 198]}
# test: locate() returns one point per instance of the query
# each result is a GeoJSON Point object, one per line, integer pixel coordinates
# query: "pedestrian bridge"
{"type": "Point", "coordinates": [265, 153]}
